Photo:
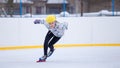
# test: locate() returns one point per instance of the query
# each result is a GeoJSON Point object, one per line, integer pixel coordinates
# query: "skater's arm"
{"type": "Point", "coordinates": [38, 21]}
{"type": "Point", "coordinates": [64, 26]}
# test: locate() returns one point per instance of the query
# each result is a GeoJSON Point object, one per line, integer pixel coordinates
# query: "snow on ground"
{"type": "Point", "coordinates": [74, 57]}
{"type": "Point", "coordinates": [67, 14]}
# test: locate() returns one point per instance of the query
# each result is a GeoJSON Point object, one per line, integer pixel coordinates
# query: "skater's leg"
{"type": "Point", "coordinates": [47, 39]}
{"type": "Point", "coordinates": [51, 43]}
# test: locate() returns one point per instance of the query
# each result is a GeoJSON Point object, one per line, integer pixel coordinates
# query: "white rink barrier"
{"type": "Point", "coordinates": [81, 30]}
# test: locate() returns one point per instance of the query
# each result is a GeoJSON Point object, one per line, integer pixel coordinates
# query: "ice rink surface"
{"type": "Point", "coordinates": [73, 57]}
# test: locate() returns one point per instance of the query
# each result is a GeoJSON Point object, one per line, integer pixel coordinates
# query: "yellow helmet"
{"type": "Point", "coordinates": [50, 19]}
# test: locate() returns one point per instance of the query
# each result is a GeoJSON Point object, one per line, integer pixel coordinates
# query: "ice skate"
{"type": "Point", "coordinates": [50, 53]}
{"type": "Point", "coordinates": [42, 59]}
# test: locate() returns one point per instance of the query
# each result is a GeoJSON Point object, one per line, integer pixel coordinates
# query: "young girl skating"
{"type": "Point", "coordinates": [55, 32]}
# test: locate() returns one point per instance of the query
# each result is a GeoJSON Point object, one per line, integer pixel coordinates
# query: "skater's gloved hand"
{"type": "Point", "coordinates": [37, 21]}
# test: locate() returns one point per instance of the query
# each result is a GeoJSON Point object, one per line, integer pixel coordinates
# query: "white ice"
{"type": "Point", "coordinates": [74, 57]}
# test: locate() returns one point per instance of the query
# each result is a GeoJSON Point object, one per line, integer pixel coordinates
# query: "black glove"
{"type": "Point", "coordinates": [37, 21]}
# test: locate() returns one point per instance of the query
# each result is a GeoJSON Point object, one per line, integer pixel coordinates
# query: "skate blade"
{"type": "Point", "coordinates": [41, 61]}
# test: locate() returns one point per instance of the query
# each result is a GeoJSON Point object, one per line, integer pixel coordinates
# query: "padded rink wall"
{"type": "Point", "coordinates": [82, 31]}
